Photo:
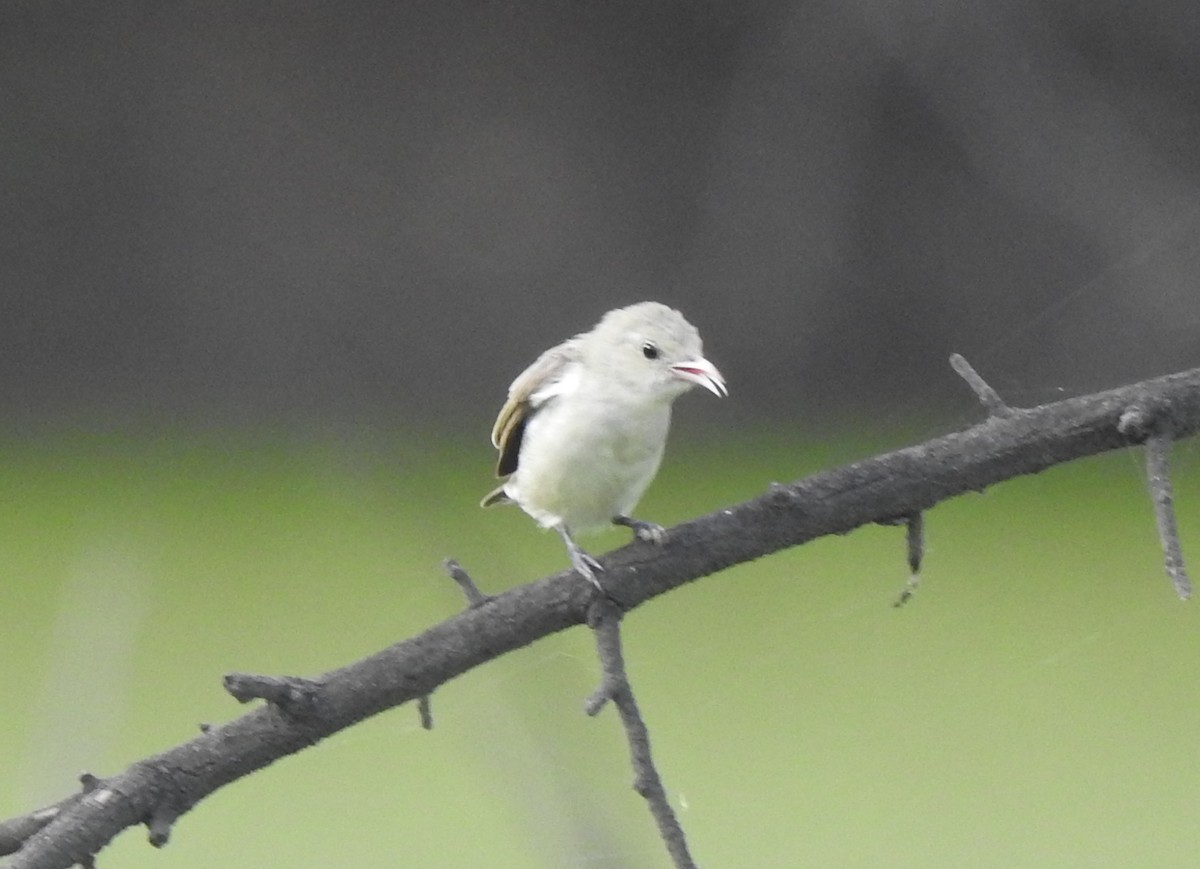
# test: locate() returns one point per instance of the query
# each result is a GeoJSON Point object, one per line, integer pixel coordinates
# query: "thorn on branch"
{"type": "Point", "coordinates": [915, 537]}
{"type": "Point", "coordinates": [598, 698]}
{"type": "Point", "coordinates": [469, 589]}
{"type": "Point", "coordinates": [604, 618]}
{"type": "Point", "coordinates": [159, 824]}
{"type": "Point", "coordinates": [987, 396]}
{"type": "Point", "coordinates": [424, 710]}
{"type": "Point", "coordinates": [293, 696]}
{"type": "Point", "coordinates": [1158, 474]}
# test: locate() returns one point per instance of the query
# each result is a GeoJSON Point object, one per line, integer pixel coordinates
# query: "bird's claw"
{"type": "Point", "coordinates": [586, 566]}
{"type": "Point", "coordinates": [650, 532]}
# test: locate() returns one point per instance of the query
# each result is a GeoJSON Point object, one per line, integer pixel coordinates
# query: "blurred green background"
{"type": "Point", "coordinates": [1033, 705]}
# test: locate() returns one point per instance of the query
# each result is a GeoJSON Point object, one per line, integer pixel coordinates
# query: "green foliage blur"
{"type": "Point", "coordinates": [1034, 705]}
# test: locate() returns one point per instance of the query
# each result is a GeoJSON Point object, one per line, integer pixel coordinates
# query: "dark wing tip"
{"type": "Point", "coordinates": [510, 447]}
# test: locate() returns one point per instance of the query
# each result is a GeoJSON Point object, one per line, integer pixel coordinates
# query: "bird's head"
{"type": "Point", "coordinates": [650, 347]}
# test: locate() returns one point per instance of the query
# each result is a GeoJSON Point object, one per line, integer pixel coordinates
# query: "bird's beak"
{"type": "Point", "coordinates": [702, 372]}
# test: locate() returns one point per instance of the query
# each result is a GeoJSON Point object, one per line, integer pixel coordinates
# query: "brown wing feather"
{"type": "Point", "coordinates": [510, 423]}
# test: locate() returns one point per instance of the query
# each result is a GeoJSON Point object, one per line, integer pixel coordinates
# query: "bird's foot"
{"type": "Point", "coordinates": [647, 531]}
{"type": "Point", "coordinates": [587, 566]}
{"type": "Point", "coordinates": [584, 564]}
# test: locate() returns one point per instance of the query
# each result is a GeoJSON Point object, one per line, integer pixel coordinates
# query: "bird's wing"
{"type": "Point", "coordinates": [533, 387]}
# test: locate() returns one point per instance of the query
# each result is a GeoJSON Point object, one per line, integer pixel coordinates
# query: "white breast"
{"type": "Point", "coordinates": [585, 460]}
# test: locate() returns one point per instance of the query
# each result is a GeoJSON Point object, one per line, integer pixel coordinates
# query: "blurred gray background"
{"type": "Point", "coordinates": [313, 210]}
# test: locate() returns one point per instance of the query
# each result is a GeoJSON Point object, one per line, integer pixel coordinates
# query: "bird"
{"type": "Point", "coordinates": [584, 427]}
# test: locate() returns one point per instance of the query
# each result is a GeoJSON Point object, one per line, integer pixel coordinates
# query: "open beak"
{"type": "Point", "coordinates": [702, 372]}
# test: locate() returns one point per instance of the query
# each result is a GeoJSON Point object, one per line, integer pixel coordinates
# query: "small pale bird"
{"type": "Point", "coordinates": [583, 430]}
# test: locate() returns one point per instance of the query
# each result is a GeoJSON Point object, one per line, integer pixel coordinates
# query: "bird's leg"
{"type": "Point", "coordinates": [647, 531]}
{"type": "Point", "coordinates": [580, 560]}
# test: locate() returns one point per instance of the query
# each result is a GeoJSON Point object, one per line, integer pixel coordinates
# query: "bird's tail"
{"type": "Point", "coordinates": [496, 496]}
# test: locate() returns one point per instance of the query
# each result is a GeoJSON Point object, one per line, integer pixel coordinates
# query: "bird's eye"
{"type": "Point", "coordinates": [649, 351]}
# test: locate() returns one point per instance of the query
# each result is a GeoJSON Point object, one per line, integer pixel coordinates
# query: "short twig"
{"type": "Point", "coordinates": [159, 824]}
{"type": "Point", "coordinates": [469, 589]}
{"type": "Point", "coordinates": [604, 618]}
{"type": "Point", "coordinates": [987, 396]}
{"type": "Point", "coordinates": [292, 695]}
{"type": "Point", "coordinates": [424, 710]}
{"type": "Point", "coordinates": [1158, 473]}
{"type": "Point", "coordinates": [915, 537]}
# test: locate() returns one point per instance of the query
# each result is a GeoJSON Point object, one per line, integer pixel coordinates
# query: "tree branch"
{"type": "Point", "coordinates": [604, 618]}
{"type": "Point", "coordinates": [898, 484]}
